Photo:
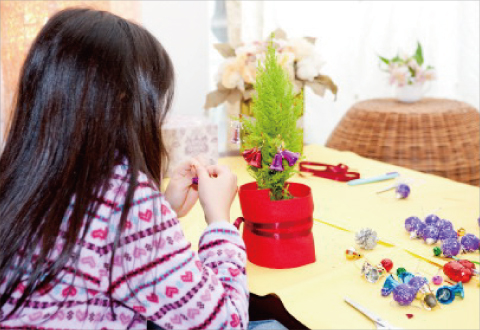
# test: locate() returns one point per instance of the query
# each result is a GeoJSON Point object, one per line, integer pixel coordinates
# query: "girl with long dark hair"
{"type": "Point", "coordinates": [88, 240]}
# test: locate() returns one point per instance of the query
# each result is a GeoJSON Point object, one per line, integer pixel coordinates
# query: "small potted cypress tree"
{"type": "Point", "coordinates": [278, 215]}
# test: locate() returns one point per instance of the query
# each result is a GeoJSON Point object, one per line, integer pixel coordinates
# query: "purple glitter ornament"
{"type": "Point", "coordinates": [195, 180]}
{"type": "Point", "coordinates": [450, 247]}
{"type": "Point", "coordinates": [420, 229]}
{"type": "Point", "coordinates": [411, 223]}
{"type": "Point", "coordinates": [291, 157]}
{"type": "Point", "coordinates": [404, 294]}
{"type": "Point", "coordinates": [402, 191]}
{"type": "Point", "coordinates": [430, 234]}
{"type": "Point", "coordinates": [444, 224]}
{"type": "Point", "coordinates": [431, 219]}
{"type": "Point", "coordinates": [277, 163]}
{"type": "Point", "coordinates": [448, 233]}
{"type": "Point", "coordinates": [470, 242]}
{"type": "Point", "coordinates": [417, 282]}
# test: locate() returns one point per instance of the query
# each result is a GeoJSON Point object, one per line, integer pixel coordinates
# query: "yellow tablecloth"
{"type": "Point", "coordinates": [314, 293]}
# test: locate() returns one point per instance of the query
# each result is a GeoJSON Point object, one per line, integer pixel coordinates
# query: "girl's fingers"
{"type": "Point", "coordinates": [201, 171]}
{"type": "Point", "coordinates": [216, 170]}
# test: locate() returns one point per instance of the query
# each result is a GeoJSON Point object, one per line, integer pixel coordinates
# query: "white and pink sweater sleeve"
{"type": "Point", "coordinates": [160, 278]}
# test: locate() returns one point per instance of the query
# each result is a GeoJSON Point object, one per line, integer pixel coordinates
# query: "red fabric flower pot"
{"type": "Point", "coordinates": [278, 234]}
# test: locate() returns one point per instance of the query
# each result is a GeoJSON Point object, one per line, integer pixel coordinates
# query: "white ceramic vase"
{"type": "Point", "coordinates": [411, 93]}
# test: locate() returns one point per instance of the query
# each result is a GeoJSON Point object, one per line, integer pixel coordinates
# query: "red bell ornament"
{"type": "Point", "coordinates": [253, 157]}
{"type": "Point", "coordinates": [248, 154]}
{"type": "Point", "coordinates": [257, 160]}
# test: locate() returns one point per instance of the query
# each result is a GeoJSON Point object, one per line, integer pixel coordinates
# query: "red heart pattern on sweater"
{"type": "Point", "coordinates": [188, 277]}
{"type": "Point", "coordinates": [170, 291]}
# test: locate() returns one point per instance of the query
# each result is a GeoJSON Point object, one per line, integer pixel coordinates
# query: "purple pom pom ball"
{"type": "Point", "coordinates": [411, 223]}
{"type": "Point", "coordinates": [445, 234]}
{"type": "Point", "coordinates": [402, 191]}
{"type": "Point", "coordinates": [444, 224]}
{"type": "Point", "coordinates": [470, 242]}
{"type": "Point", "coordinates": [417, 282]}
{"type": "Point", "coordinates": [431, 219]}
{"type": "Point", "coordinates": [430, 234]}
{"type": "Point", "coordinates": [450, 247]}
{"type": "Point", "coordinates": [404, 294]}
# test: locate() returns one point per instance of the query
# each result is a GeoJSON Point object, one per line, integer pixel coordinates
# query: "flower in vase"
{"type": "Point", "coordinates": [230, 74]}
{"type": "Point", "coordinates": [309, 67]}
{"type": "Point", "coordinates": [301, 48]}
{"type": "Point", "coordinates": [399, 75]}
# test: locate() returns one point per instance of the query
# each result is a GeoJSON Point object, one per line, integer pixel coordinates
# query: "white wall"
{"type": "Point", "coordinates": [182, 27]}
{"type": "Point", "coordinates": [351, 33]}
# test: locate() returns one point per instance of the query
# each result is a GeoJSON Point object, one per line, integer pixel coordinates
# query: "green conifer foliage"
{"type": "Point", "coordinates": [276, 112]}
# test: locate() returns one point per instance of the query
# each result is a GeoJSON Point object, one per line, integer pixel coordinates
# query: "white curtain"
{"type": "Point", "coordinates": [350, 34]}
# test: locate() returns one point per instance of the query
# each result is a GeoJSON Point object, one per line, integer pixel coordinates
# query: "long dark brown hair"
{"type": "Point", "coordinates": [93, 90]}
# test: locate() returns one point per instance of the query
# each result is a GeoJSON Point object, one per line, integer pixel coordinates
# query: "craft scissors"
{"type": "Point", "coordinates": [379, 322]}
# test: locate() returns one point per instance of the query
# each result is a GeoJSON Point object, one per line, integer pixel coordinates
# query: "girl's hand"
{"type": "Point", "coordinates": [180, 193]}
{"type": "Point", "coordinates": [217, 187]}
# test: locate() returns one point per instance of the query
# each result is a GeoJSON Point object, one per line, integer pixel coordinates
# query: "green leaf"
{"type": "Point", "coordinates": [384, 60]}
{"type": "Point", "coordinates": [396, 59]}
{"type": "Point", "coordinates": [419, 54]}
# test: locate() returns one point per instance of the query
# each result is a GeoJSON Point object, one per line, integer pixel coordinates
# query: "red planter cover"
{"type": "Point", "coordinates": [278, 234]}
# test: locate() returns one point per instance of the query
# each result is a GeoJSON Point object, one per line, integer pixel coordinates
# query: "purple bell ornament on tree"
{"type": "Point", "coordinates": [290, 157]}
{"type": "Point", "coordinates": [277, 163]}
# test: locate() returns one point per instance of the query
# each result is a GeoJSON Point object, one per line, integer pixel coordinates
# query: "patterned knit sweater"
{"type": "Point", "coordinates": [156, 275]}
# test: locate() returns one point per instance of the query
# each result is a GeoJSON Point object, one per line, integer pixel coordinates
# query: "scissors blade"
{"type": "Point", "coordinates": [375, 318]}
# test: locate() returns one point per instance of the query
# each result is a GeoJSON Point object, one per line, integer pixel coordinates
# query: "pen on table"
{"type": "Point", "coordinates": [387, 176]}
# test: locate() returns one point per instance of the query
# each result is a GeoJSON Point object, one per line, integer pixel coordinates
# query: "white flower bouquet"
{"type": "Point", "coordinates": [408, 70]}
{"type": "Point", "coordinates": [237, 74]}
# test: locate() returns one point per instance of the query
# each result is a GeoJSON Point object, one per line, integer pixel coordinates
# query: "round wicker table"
{"type": "Point", "coordinates": [437, 136]}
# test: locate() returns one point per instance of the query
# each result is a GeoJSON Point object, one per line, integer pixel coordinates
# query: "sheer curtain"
{"type": "Point", "coordinates": [350, 34]}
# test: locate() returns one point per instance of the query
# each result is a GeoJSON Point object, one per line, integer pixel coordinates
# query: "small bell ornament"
{"type": "Point", "coordinates": [290, 157]}
{"type": "Point", "coordinates": [236, 132]}
{"type": "Point", "coordinates": [253, 157]}
{"type": "Point", "coordinates": [277, 163]}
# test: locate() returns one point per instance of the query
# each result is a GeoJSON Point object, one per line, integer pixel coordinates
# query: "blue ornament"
{"type": "Point", "coordinates": [388, 286]}
{"type": "Point", "coordinates": [446, 294]}
{"type": "Point", "coordinates": [405, 277]}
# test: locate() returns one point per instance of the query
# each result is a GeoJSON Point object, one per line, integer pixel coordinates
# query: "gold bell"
{"type": "Point", "coordinates": [352, 254]}
{"type": "Point", "coordinates": [461, 232]}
